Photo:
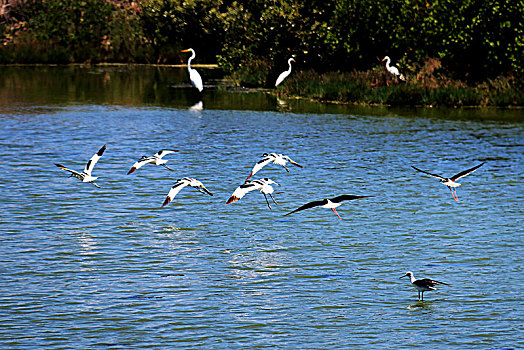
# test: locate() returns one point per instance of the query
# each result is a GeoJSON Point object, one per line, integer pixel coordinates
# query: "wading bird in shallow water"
{"type": "Point", "coordinates": [186, 181]}
{"type": "Point", "coordinates": [451, 181]}
{"type": "Point", "coordinates": [85, 176]}
{"type": "Point", "coordinates": [194, 76]}
{"type": "Point", "coordinates": [392, 69]}
{"type": "Point", "coordinates": [284, 74]}
{"type": "Point", "coordinates": [156, 159]}
{"type": "Point", "coordinates": [331, 203]}
{"type": "Point", "coordinates": [422, 285]}
{"type": "Point", "coordinates": [263, 185]}
{"type": "Point", "coordinates": [267, 158]}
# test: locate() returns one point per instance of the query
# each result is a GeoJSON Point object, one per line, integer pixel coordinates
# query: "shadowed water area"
{"type": "Point", "coordinates": [86, 267]}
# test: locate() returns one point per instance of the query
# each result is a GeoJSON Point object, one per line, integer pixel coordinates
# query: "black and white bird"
{"type": "Point", "coordinates": [155, 159]}
{"type": "Point", "coordinates": [267, 158]}
{"type": "Point", "coordinates": [263, 185]}
{"type": "Point", "coordinates": [284, 74]}
{"type": "Point", "coordinates": [331, 203]}
{"type": "Point", "coordinates": [85, 176]}
{"type": "Point", "coordinates": [186, 181]}
{"type": "Point", "coordinates": [422, 285]}
{"type": "Point", "coordinates": [392, 69]}
{"type": "Point", "coordinates": [451, 181]}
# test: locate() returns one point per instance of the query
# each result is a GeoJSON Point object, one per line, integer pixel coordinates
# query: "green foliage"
{"type": "Point", "coordinates": [61, 31]}
{"type": "Point", "coordinates": [472, 40]}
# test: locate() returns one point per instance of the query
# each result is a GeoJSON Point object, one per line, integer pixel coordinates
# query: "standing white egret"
{"type": "Point", "coordinates": [285, 74]}
{"type": "Point", "coordinates": [392, 69]}
{"type": "Point", "coordinates": [194, 76]}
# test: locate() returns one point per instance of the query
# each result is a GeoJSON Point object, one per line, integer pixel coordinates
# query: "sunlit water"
{"type": "Point", "coordinates": [83, 267]}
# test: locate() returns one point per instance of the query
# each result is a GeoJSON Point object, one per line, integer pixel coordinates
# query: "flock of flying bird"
{"type": "Point", "coordinates": [264, 185]}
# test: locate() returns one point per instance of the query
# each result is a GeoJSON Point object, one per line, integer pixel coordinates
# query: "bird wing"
{"type": "Point", "coordinates": [466, 172]}
{"type": "Point", "coordinates": [174, 191]}
{"type": "Point", "coordinates": [345, 197]}
{"type": "Point", "coordinates": [140, 163]}
{"type": "Point", "coordinates": [307, 206]}
{"type": "Point", "coordinates": [91, 163]}
{"type": "Point", "coordinates": [260, 164]}
{"type": "Point", "coordinates": [425, 172]}
{"type": "Point", "coordinates": [242, 190]}
{"type": "Point", "coordinates": [163, 152]}
{"type": "Point", "coordinates": [429, 282]}
{"type": "Point", "coordinates": [75, 173]}
{"type": "Point", "coordinates": [292, 161]}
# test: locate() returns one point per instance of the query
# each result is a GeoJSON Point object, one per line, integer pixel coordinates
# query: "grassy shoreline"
{"type": "Point", "coordinates": [375, 88]}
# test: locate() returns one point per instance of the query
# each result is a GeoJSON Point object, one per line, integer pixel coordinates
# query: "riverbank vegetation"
{"type": "Point", "coordinates": [453, 53]}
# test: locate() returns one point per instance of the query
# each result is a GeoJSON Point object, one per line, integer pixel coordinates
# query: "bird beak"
{"type": "Point", "coordinates": [383, 61]}
{"type": "Point", "coordinates": [403, 276]}
{"type": "Point", "coordinates": [184, 51]}
{"type": "Point", "coordinates": [277, 184]}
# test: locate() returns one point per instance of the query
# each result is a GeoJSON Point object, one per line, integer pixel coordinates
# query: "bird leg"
{"type": "Point", "coordinates": [422, 295]}
{"type": "Point", "coordinates": [286, 168]}
{"type": "Point", "coordinates": [453, 194]}
{"type": "Point", "coordinates": [95, 184]}
{"type": "Point", "coordinates": [267, 201]}
{"type": "Point", "coordinates": [335, 211]}
{"type": "Point", "coordinates": [456, 197]}
{"type": "Point", "coordinates": [270, 195]}
{"type": "Point", "coordinates": [168, 167]}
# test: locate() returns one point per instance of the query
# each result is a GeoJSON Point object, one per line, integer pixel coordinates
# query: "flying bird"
{"type": "Point", "coordinates": [392, 69]}
{"type": "Point", "coordinates": [155, 159]}
{"type": "Point", "coordinates": [194, 76]}
{"type": "Point", "coordinates": [331, 203]}
{"type": "Point", "coordinates": [263, 185]}
{"type": "Point", "coordinates": [186, 181]}
{"type": "Point", "coordinates": [284, 74]}
{"type": "Point", "coordinates": [451, 181]}
{"type": "Point", "coordinates": [85, 176]}
{"type": "Point", "coordinates": [267, 158]}
{"type": "Point", "coordinates": [423, 285]}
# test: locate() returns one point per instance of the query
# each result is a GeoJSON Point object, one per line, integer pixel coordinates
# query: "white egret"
{"type": "Point", "coordinates": [392, 69]}
{"type": "Point", "coordinates": [194, 76]}
{"type": "Point", "coordinates": [285, 74]}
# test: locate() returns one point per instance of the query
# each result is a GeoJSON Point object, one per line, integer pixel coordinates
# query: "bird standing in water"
{"type": "Point", "coordinates": [194, 76]}
{"type": "Point", "coordinates": [423, 285]}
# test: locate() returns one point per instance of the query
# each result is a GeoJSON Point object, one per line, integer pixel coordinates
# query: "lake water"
{"type": "Point", "coordinates": [89, 268]}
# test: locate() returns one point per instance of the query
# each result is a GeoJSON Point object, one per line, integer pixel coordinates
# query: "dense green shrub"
{"type": "Point", "coordinates": [431, 41]}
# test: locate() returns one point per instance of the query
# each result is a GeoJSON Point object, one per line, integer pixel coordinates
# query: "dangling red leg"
{"type": "Point", "coordinates": [454, 191]}
{"type": "Point", "coordinates": [452, 194]}
{"type": "Point", "coordinates": [334, 210]}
